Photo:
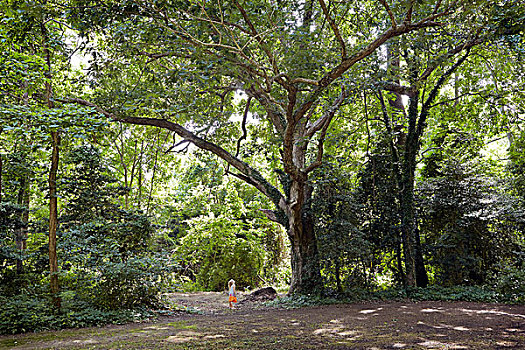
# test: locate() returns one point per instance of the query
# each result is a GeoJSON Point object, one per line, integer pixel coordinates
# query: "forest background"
{"type": "Point", "coordinates": [331, 149]}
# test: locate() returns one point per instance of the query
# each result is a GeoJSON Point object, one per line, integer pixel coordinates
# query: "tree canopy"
{"type": "Point", "coordinates": [228, 133]}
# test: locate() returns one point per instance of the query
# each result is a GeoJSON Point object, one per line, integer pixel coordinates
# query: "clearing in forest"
{"type": "Point", "coordinates": [369, 325]}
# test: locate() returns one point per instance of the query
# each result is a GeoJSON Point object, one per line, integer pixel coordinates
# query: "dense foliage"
{"type": "Point", "coordinates": [343, 149]}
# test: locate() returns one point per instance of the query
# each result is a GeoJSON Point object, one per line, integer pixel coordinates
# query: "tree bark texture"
{"type": "Point", "coordinates": [414, 264]}
{"type": "Point", "coordinates": [306, 275]}
{"type": "Point", "coordinates": [52, 183]}
{"type": "Point", "coordinates": [53, 219]}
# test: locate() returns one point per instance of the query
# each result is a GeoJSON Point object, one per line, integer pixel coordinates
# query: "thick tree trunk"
{"type": "Point", "coordinates": [53, 219]}
{"type": "Point", "coordinates": [416, 274]}
{"type": "Point", "coordinates": [414, 264]}
{"type": "Point", "coordinates": [306, 275]}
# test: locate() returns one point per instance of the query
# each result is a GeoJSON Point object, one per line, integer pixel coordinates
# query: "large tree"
{"type": "Point", "coordinates": [179, 65]}
{"type": "Point", "coordinates": [424, 68]}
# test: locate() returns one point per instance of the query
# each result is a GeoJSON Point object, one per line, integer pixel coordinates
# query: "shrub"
{"type": "Point", "coordinates": [510, 283]}
{"type": "Point", "coordinates": [215, 254]}
{"type": "Point", "coordinates": [24, 313]}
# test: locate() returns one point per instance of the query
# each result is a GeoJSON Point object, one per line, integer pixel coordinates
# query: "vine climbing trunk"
{"type": "Point", "coordinates": [415, 272]}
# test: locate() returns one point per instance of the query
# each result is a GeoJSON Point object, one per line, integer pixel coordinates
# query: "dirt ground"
{"type": "Point", "coordinates": [372, 326]}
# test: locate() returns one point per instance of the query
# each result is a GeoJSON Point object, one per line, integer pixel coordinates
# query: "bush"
{"type": "Point", "coordinates": [510, 283]}
{"type": "Point", "coordinates": [120, 284]}
{"type": "Point", "coordinates": [24, 313]}
{"type": "Point", "coordinates": [457, 293]}
{"type": "Point", "coordinates": [215, 254]}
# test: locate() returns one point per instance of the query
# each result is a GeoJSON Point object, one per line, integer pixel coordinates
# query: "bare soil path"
{"type": "Point", "coordinates": [372, 326]}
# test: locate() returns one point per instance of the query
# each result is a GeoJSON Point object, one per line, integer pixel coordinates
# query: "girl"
{"type": "Point", "coordinates": [232, 295]}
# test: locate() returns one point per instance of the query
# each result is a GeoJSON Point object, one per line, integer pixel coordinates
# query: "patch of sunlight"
{"type": "Point", "coordinates": [178, 339]}
{"type": "Point", "coordinates": [347, 333]}
{"type": "Point", "coordinates": [215, 336]}
{"type": "Point", "coordinates": [354, 338]}
{"type": "Point", "coordinates": [183, 337]}
{"type": "Point", "coordinates": [156, 328]}
{"type": "Point", "coordinates": [512, 330]}
{"type": "Point", "coordinates": [442, 325]}
{"type": "Point", "coordinates": [370, 311]}
{"type": "Point", "coordinates": [85, 342]}
{"type": "Point", "coordinates": [177, 324]}
{"type": "Point", "coordinates": [506, 343]}
{"type": "Point", "coordinates": [294, 322]}
{"type": "Point", "coordinates": [446, 326]}
{"type": "Point", "coordinates": [431, 310]}
{"type": "Point", "coordinates": [399, 345]}
{"type": "Point", "coordinates": [432, 344]}
{"type": "Point", "coordinates": [321, 331]}
{"type": "Point", "coordinates": [493, 312]}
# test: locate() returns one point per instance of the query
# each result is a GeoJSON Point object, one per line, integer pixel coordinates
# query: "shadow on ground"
{"type": "Point", "coordinates": [373, 326]}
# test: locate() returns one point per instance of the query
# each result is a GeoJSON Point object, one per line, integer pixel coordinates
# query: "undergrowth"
{"type": "Point", "coordinates": [433, 293]}
{"type": "Point", "coordinates": [29, 313]}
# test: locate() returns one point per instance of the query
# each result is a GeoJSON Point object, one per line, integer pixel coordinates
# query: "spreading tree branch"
{"type": "Point", "coordinates": [335, 29]}
{"type": "Point", "coordinates": [248, 174]}
{"type": "Point", "coordinates": [390, 14]}
{"type": "Point", "coordinates": [433, 93]}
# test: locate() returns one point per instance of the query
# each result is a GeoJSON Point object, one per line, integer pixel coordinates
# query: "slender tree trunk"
{"type": "Point", "coordinates": [1, 174]}
{"type": "Point", "coordinates": [53, 203]}
{"type": "Point", "coordinates": [407, 230]}
{"type": "Point", "coordinates": [421, 272]}
{"type": "Point", "coordinates": [25, 216]}
{"type": "Point", "coordinates": [19, 231]}
{"type": "Point", "coordinates": [156, 143]}
{"type": "Point", "coordinates": [399, 261]}
{"type": "Point", "coordinates": [141, 156]}
{"type": "Point", "coordinates": [338, 276]}
{"type": "Point", "coordinates": [53, 219]}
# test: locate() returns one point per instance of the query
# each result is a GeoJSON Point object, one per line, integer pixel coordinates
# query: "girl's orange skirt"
{"type": "Point", "coordinates": [232, 299]}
